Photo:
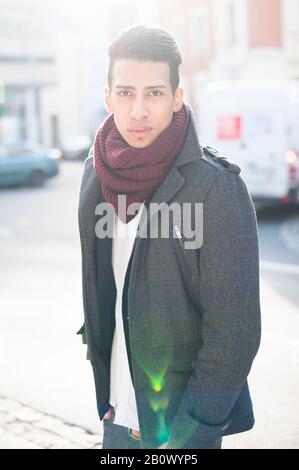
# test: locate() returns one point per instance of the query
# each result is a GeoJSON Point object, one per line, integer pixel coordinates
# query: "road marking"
{"type": "Point", "coordinates": [23, 221]}
{"type": "Point", "coordinates": [292, 345]}
{"type": "Point", "coordinates": [276, 266]}
{"type": "Point", "coordinates": [46, 220]}
{"type": "Point", "coordinates": [289, 233]}
{"type": "Point", "coordinates": [5, 232]}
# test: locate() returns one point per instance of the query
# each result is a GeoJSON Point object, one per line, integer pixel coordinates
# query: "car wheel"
{"type": "Point", "coordinates": [37, 178]}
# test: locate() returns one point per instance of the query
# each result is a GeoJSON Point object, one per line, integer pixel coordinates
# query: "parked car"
{"type": "Point", "coordinates": [27, 163]}
{"type": "Point", "coordinates": [256, 124]}
{"type": "Point", "coordinates": [76, 147]}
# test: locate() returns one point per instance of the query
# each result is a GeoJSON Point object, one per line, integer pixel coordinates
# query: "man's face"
{"type": "Point", "coordinates": [141, 100]}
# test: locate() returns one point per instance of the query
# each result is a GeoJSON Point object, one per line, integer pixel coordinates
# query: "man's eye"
{"type": "Point", "coordinates": [124, 91]}
{"type": "Point", "coordinates": [157, 91]}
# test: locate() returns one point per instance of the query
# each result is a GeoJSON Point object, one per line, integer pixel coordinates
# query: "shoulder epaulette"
{"type": "Point", "coordinates": [218, 157]}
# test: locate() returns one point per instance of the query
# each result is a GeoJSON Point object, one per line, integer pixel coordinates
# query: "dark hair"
{"type": "Point", "coordinates": [142, 43]}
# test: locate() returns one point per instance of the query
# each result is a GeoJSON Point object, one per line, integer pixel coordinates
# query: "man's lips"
{"type": "Point", "coordinates": [140, 131]}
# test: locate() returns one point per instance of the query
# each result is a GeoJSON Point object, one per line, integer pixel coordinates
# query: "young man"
{"type": "Point", "coordinates": [171, 329]}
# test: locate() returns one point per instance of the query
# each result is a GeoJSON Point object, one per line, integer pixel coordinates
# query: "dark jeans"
{"type": "Point", "coordinates": [119, 437]}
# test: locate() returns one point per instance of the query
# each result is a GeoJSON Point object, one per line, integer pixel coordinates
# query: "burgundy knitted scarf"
{"type": "Point", "coordinates": [135, 172]}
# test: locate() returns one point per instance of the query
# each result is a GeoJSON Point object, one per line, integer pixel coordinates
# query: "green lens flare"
{"type": "Point", "coordinates": [162, 434]}
{"type": "Point", "coordinates": [155, 367]}
{"type": "Point", "coordinates": [158, 403]}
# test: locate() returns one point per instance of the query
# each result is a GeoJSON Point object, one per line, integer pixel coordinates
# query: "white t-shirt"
{"type": "Point", "coordinates": [122, 393]}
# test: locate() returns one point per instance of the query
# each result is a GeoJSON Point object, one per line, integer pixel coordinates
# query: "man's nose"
{"type": "Point", "coordinates": [139, 110]}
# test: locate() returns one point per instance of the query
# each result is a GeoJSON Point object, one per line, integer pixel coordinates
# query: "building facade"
{"type": "Point", "coordinates": [234, 39]}
{"type": "Point", "coordinates": [42, 71]}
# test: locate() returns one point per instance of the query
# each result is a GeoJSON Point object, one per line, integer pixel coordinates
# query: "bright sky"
{"type": "Point", "coordinates": [82, 11]}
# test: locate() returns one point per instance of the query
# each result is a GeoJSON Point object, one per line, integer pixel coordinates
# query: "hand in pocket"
{"type": "Point", "coordinates": [108, 415]}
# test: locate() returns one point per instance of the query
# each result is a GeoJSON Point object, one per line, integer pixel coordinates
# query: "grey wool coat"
{"type": "Point", "coordinates": [191, 316]}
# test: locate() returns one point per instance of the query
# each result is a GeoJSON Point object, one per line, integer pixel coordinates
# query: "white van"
{"type": "Point", "coordinates": [256, 125]}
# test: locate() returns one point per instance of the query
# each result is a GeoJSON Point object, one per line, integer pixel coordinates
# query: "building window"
{"type": "Point", "coordinates": [231, 23]}
{"type": "Point", "coordinates": [265, 23]}
{"type": "Point", "coordinates": [200, 35]}
{"type": "Point", "coordinates": [13, 114]}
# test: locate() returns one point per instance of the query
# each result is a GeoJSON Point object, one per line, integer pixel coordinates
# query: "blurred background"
{"type": "Point", "coordinates": [240, 74]}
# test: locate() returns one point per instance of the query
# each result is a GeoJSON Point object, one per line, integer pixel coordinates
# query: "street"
{"type": "Point", "coordinates": [42, 360]}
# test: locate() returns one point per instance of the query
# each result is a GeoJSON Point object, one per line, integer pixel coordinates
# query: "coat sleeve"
{"type": "Point", "coordinates": [230, 303]}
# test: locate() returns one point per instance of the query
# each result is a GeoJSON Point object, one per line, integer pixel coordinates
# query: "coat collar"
{"type": "Point", "coordinates": [191, 150]}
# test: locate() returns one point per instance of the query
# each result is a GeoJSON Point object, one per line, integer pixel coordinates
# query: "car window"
{"type": "Point", "coordinates": [19, 152]}
{"type": "Point", "coordinates": [35, 147]}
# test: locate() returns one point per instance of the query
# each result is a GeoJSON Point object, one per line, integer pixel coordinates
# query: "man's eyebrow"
{"type": "Point", "coordinates": [128, 87]}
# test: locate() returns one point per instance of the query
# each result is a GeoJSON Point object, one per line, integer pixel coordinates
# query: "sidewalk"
{"type": "Point", "coordinates": [274, 379]}
{"type": "Point", "coordinates": [22, 427]}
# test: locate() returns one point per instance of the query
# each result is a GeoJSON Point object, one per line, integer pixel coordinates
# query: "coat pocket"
{"type": "Point", "coordinates": [178, 358]}
{"type": "Point", "coordinates": [185, 253]}
{"type": "Point", "coordinates": [82, 332]}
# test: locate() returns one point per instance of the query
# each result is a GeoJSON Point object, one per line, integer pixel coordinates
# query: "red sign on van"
{"type": "Point", "coordinates": [229, 127]}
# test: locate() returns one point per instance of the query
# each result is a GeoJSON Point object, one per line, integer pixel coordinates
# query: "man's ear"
{"type": "Point", "coordinates": [179, 99]}
{"type": "Point", "coordinates": [107, 100]}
